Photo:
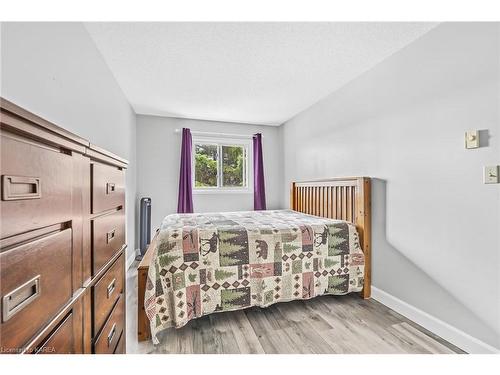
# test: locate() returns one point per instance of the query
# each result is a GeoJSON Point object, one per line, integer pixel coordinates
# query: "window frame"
{"type": "Point", "coordinates": [220, 142]}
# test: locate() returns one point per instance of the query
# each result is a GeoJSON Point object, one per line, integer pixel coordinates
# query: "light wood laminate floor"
{"type": "Point", "coordinates": [323, 325]}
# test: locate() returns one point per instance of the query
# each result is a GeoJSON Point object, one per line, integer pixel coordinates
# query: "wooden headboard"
{"type": "Point", "coordinates": [347, 199]}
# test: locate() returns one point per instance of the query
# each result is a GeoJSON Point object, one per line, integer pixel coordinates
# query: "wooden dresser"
{"type": "Point", "coordinates": [62, 240]}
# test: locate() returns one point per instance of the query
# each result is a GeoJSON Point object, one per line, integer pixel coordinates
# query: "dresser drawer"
{"type": "Point", "coordinates": [108, 237]}
{"type": "Point", "coordinates": [35, 285]}
{"type": "Point", "coordinates": [107, 340]}
{"type": "Point", "coordinates": [36, 185]}
{"type": "Point", "coordinates": [108, 187]}
{"type": "Point", "coordinates": [61, 340]}
{"type": "Point", "coordinates": [107, 291]}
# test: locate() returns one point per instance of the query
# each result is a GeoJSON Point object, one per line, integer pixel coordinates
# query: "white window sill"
{"type": "Point", "coordinates": [222, 191]}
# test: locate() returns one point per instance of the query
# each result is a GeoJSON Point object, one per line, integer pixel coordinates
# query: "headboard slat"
{"type": "Point", "coordinates": [346, 199]}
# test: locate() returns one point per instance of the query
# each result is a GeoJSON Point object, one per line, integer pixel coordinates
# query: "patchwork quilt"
{"type": "Point", "coordinates": [211, 262]}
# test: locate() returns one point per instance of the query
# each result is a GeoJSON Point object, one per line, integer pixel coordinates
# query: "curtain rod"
{"type": "Point", "coordinates": [212, 134]}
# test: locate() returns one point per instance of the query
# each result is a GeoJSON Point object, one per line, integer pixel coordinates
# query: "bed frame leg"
{"type": "Point", "coordinates": [366, 292]}
{"type": "Point", "coordinates": [143, 328]}
{"type": "Point", "coordinates": [367, 287]}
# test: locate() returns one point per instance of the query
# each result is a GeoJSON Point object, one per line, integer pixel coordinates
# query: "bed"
{"type": "Point", "coordinates": [204, 263]}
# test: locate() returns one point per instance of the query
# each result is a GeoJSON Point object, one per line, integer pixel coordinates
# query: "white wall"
{"type": "Point", "coordinates": [55, 71]}
{"type": "Point", "coordinates": [158, 160]}
{"type": "Point", "coordinates": [436, 226]}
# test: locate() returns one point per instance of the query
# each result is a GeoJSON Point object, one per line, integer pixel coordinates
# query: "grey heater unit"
{"type": "Point", "coordinates": [145, 226]}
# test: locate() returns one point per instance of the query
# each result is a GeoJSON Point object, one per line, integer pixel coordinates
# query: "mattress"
{"type": "Point", "coordinates": [213, 262]}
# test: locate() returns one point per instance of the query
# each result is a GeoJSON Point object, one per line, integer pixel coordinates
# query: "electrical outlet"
{"type": "Point", "coordinates": [491, 175]}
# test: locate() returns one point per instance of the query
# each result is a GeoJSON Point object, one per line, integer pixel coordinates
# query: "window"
{"type": "Point", "coordinates": [220, 165]}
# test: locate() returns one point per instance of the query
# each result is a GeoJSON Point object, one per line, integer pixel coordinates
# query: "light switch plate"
{"type": "Point", "coordinates": [472, 139]}
{"type": "Point", "coordinates": [491, 174]}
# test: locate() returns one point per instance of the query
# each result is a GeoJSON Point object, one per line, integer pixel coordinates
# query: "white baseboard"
{"type": "Point", "coordinates": [131, 259]}
{"type": "Point", "coordinates": [444, 330]}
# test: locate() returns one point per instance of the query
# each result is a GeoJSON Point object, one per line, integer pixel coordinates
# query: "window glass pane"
{"type": "Point", "coordinates": [205, 165]}
{"type": "Point", "coordinates": [233, 159]}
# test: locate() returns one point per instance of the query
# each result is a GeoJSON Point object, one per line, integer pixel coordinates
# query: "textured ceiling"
{"type": "Point", "coordinates": [259, 73]}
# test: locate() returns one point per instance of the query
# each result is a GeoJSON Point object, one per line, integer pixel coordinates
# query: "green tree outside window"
{"type": "Point", "coordinates": [220, 166]}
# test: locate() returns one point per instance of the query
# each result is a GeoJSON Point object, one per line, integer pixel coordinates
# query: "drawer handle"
{"type": "Point", "coordinates": [20, 297]}
{"type": "Point", "coordinates": [20, 187]}
{"type": "Point", "coordinates": [111, 287]}
{"type": "Point", "coordinates": [111, 334]}
{"type": "Point", "coordinates": [110, 188]}
{"type": "Point", "coordinates": [110, 235]}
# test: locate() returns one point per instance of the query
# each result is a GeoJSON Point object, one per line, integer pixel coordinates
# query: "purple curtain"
{"type": "Point", "coordinates": [259, 190]}
{"type": "Point", "coordinates": [185, 200]}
